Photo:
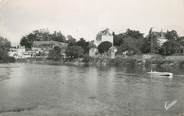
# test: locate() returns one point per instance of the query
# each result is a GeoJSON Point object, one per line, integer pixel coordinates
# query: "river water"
{"type": "Point", "coordinates": [39, 90]}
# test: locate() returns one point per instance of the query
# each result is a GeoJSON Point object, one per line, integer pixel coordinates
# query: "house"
{"type": "Point", "coordinates": [105, 35]}
{"type": "Point", "coordinates": [17, 52]}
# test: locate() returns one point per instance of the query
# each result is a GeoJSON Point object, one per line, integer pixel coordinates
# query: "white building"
{"type": "Point", "coordinates": [102, 36]}
{"type": "Point", "coordinates": [17, 52]}
{"type": "Point", "coordinates": [162, 39]}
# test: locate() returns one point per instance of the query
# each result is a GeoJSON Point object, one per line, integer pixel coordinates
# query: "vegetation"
{"type": "Point", "coordinates": [4, 48]}
{"type": "Point", "coordinates": [130, 42]}
{"type": "Point", "coordinates": [104, 47]}
{"type": "Point", "coordinates": [134, 41]}
{"type": "Point", "coordinates": [150, 43]}
{"type": "Point", "coordinates": [55, 54]}
{"type": "Point", "coordinates": [41, 35]}
{"type": "Point", "coordinates": [74, 52]}
{"type": "Point", "coordinates": [171, 47]}
{"type": "Point", "coordinates": [84, 45]}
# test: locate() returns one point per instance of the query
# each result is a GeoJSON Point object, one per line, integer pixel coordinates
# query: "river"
{"type": "Point", "coordinates": [39, 90]}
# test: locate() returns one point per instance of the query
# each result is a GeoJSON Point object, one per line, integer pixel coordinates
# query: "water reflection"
{"type": "Point", "coordinates": [97, 91]}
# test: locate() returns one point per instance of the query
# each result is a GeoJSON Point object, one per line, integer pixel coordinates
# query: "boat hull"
{"type": "Point", "coordinates": [161, 74]}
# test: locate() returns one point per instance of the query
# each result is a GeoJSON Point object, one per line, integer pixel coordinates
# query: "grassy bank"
{"type": "Point", "coordinates": [156, 61]}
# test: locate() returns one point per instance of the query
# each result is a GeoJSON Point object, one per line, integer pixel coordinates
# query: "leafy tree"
{"type": "Point", "coordinates": [104, 47]}
{"type": "Point", "coordinates": [26, 42]}
{"type": "Point", "coordinates": [74, 52]}
{"type": "Point", "coordinates": [58, 36]}
{"type": "Point", "coordinates": [4, 48]}
{"type": "Point", "coordinates": [172, 35]}
{"type": "Point", "coordinates": [171, 47]}
{"type": "Point", "coordinates": [85, 45]}
{"type": "Point", "coordinates": [118, 39]}
{"type": "Point", "coordinates": [71, 40]}
{"type": "Point", "coordinates": [55, 53]}
{"type": "Point", "coordinates": [150, 44]}
{"type": "Point", "coordinates": [134, 34]}
{"type": "Point", "coordinates": [41, 35]}
{"type": "Point", "coordinates": [133, 44]}
{"type": "Point", "coordinates": [122, 48]}
{"type": "Point", "coordinates": [181, 40]}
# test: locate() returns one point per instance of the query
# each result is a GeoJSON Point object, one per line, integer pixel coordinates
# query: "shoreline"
{"type": "Point", "coordinates": [156, 61]}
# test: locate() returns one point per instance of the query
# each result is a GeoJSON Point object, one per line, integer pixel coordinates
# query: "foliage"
{"type": "Point", "coordinates": [74, 52]}
{"type": "Point", "coordinates": [55, 53]}
{"type": "Point", "coordinates": [122, 48]}
{"type": "Point", "coordinates": [120, 61]}
{"type": "Point", "coordinates": [4, 47]}
{"type": "Point", "coordinates": [118, 39]}
{"type": "Point", "coordinates": [134, 34]}
{"type": "Point", "coordinates": [41, 35]}
{"type": "Point", "coordinates": [104, 47]}
{"type": "Point", "coordinates": [171, 47]}
{"type": "Point", "coordinates": [71, 40]}
{"type": "Point", "coordinates": [150, 44]}
{"type": "Point", "coordinates": [85, 45]}
{"type": "Point", "coordinates": [86, 58]}
{"type": "Point", "coordinates": [171, 35]}
{"type": "Point", "coordinates": [133, 44]}
{"type": "Point", "coordinates": [58, 36]}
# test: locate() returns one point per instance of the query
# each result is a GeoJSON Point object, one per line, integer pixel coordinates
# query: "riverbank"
{"type": "Point", "coordinates": [145, 61]}
{"type": "Point", "coordinates": [7, 60]}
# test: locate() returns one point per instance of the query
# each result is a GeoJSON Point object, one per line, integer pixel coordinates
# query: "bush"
{"type": "Point", "coordinates": [118, 61]}
{"type": "Point", "coordinates": [86, 58]}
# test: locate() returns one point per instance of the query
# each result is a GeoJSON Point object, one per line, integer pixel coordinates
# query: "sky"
{"type": "Point", "coordinates": [85, 18]}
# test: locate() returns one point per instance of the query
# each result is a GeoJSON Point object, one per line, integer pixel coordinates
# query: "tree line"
{"type": "Point", "coordinates": [136, 42]}
{"type": "Point", "coordinates": [130, 41]}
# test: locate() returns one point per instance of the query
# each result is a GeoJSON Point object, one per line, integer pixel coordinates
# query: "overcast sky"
{"type": "Point", "coordinates": [84, 18]}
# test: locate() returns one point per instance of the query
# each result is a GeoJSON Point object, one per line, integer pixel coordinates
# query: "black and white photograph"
{"type": "Point", "coordinates": [91, 57]}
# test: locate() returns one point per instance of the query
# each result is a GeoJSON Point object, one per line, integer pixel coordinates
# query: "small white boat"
{"type": "Point", "coordinates": [161, 74]}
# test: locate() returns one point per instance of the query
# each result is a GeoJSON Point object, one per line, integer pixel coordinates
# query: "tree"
{"type": "Point", "coordinates": [71, 40]}
{"type": "Point", "coordinates": [181, 40]}
{"type": "Point", "coordinates": [85, 45]}
{"type": "Point", "coordinates": [133, 44]}
{"type": "Point", "coordinates": [150, 44]}
{"type": "Point", "coordinates": [171, 47]}
{"type": "Point", "coordinates": [4, 48]}
{"type": "Point", "coordinates": [26, 42]}
{"type": "Point", "coordinates": [41, 35]}
{"type": "Point", "coordinates": [58, 36]}
{"type": "Point", "coordinates": [55, 53]}
{"type": "Point", "coordinates": [171, 35]}
{"type": "Point", "coordinates": [104, 47]}
{"type": "Point", "coordinates": [122, 48]}
{"type": "Point", "coordinates": [118, 39]}
{"type": "Point", "coordinates": [74, 52]}
{"type": "Point", "coordinates": [134, 34]}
